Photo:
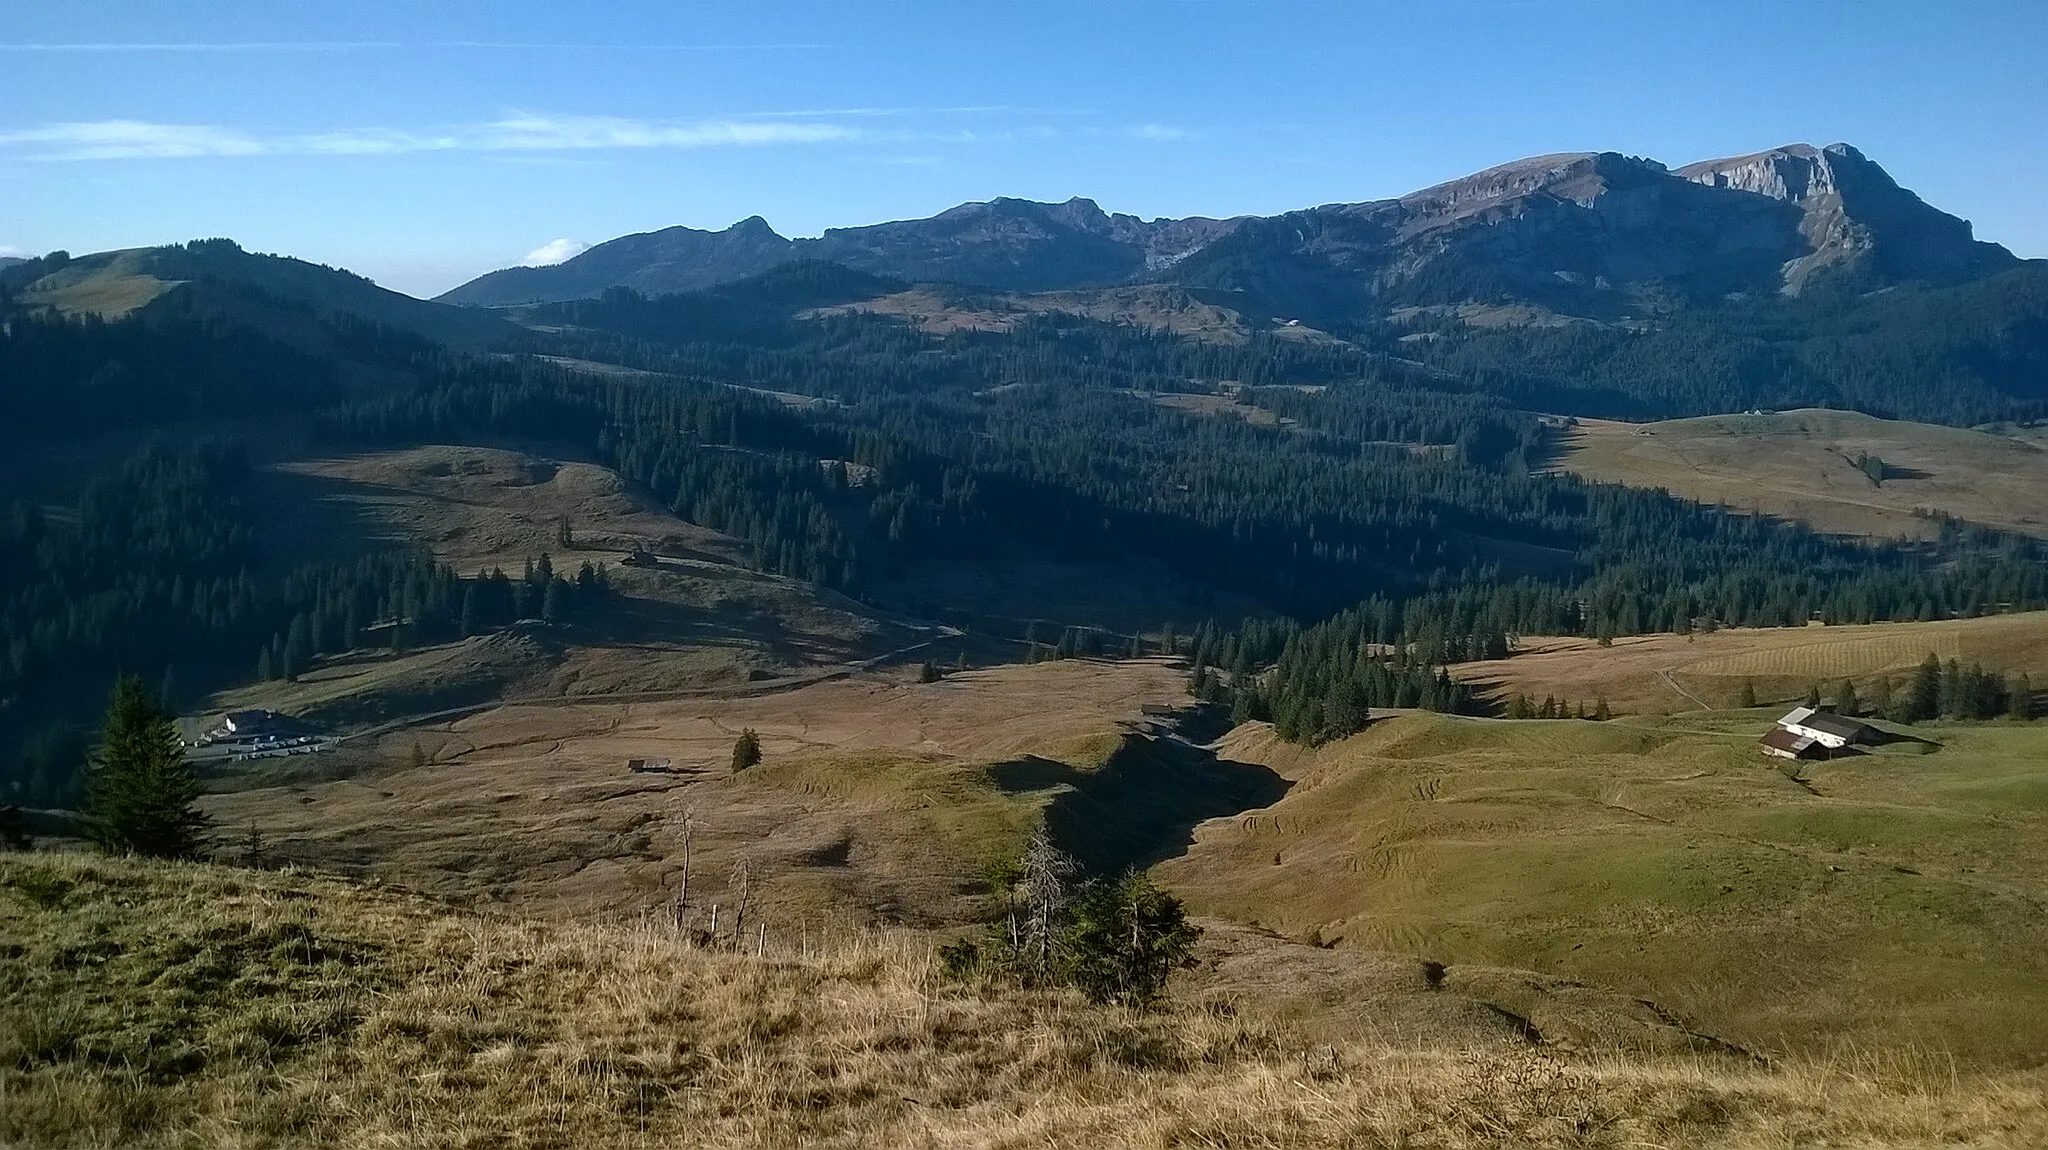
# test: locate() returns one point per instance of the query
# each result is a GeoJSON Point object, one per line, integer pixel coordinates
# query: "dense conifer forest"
{"type": "Point", "coordinates": [1968, 354]}
{"type": "Point", "coordinates": [1396, 509]}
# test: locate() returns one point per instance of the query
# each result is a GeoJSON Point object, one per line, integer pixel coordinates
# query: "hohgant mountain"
{"type": "Point", "coordinates": [1582, 233]}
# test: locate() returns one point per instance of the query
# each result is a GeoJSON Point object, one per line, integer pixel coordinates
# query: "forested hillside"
{"type": "Point", "coordinates": [1962, 355]}
{"type": "Point", "coordinates": [1338, 477]}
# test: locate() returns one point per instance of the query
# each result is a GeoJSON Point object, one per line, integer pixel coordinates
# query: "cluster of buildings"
{"type": "Point", "coordinates": [245, 735]}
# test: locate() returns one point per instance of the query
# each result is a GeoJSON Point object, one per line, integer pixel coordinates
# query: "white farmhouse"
{"type": "Point", "coordinates": [1826, 729]}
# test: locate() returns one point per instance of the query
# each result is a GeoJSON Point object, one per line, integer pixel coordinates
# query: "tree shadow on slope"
{"type": "Point", "coordinates": [1143, 804]}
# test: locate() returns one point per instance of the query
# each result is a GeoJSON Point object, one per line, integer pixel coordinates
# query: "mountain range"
{"type": "Point", "coordinates": [1579, 283]}
{"type": "Point", "coordinates": [1595, 234]}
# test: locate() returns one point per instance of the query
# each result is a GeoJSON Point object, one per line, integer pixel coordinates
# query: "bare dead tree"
{"type": "Point", "coordinates": [1042, 892]}
{"type": "Point", "coordinates": [689, 826]}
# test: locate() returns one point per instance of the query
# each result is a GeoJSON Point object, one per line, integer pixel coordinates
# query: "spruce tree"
{"type": "Point", "coordinates": [1923, 699]}
{"type": "Point", "coordinates": [1244, 703]}
{"type": "Point", "coordinates": [1125, 938]}
{"type": "Point", "coordinates": [1747, 699]}
{"type": "Point", "coordinates": [746, 750]}
{"type": "Point", "coordinates": [1846, 702]}
{"type": "Point", "coordinates": [140, 793]}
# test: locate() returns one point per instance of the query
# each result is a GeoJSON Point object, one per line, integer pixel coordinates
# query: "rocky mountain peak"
{"type": "Point", "coordinates": [753, 227]}
{"type": "Point", "coordinates": [1792, 173]}
{"type": "Point", "coordinates": [1854, 216]}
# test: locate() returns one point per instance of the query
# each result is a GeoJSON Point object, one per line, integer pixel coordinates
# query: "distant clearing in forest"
{"type": "Point", "coordinates": [1651, 674]}
{"type": "Point", "coordinates": [1803, 465]}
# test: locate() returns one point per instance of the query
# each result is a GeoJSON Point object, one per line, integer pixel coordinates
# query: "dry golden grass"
{"type": "Point", "coordinates": [1835, 659]}
{"type": "Point", "coordinates": [109, 287]}
{"type": "Point", "coordinates": [876, 798]}
{"type": "Point", "coordinates": [703, 619]}
{"type": "Point", "coordinates": [1651, 674]}
{"type": "Point", "coordinates": [480, 506]}
{"type": "Point", "coordinates": [180, 1006]}
{"type": "Point", "coordinates": [1800, 465]}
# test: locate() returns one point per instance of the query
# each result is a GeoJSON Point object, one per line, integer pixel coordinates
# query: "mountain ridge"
{"type": "Point", "coordinates": [1583, 232]}
{"type": "Point", "coordinates": [220, 276]}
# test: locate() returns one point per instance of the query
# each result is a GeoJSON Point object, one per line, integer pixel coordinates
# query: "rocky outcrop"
{"type": "Point", "coordinates": [1854, 217]}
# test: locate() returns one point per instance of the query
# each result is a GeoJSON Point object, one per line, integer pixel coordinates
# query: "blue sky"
{"type": "Point", "coordinates": [424, 143]}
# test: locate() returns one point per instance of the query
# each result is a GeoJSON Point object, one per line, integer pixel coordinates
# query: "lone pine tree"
{"type": "Point", "coordinates": [140, 792]}
{"type": "Point", "coordinates": [746, 750]}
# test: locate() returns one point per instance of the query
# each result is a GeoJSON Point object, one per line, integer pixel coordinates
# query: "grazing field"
{"type": "Point", "coordinates": [1888, 901]}
{"type": "Point", "coordinates": [701, 618]}
{"type": "Point", "coordinates": [158, 1005]}
{"type": "Point", "coordinates": [109, 288]}
{"type": "Point", "coordinates": [879, 799]}
{"type": "Point", "coordinates": [1835, 659]}
{"type": "Point", "coordinates": [1803, 465]}
{"type": "Point", "coordinates": [1664, 673]}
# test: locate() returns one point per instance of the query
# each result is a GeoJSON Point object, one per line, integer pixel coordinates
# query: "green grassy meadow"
{"type": "Point", "coordinates": [1893, 899]}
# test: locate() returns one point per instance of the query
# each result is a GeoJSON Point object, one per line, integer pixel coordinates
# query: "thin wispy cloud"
{"type": "Point", "coordinates": [954, 110]}
{"type": "Point", "coordinates": [390, 45]}
{"type": "Point", "coordinates": [127, 139]}
{"type": "Point", "coordinates": [514, 133]}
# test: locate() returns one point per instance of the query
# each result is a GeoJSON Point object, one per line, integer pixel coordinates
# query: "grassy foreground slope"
{"type": "Point", "coordinates": [182, 1005]}
{"type": "Point", "coordinates": [1802, 465]}
{"type": "Point", "coordinates": [1893, 900]}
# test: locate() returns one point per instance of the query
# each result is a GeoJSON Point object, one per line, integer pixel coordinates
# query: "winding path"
{"type": "Point", "coordinates": [764, 687]}
{"type": "Point", "coordinates": [1664, 673]}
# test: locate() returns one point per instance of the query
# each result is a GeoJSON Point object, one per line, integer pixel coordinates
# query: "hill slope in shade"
{"type": "Point", "coordinates": [1817, 467]}
{"type": "Point", "coordinates": [1589, 233]}
{"type": "Point", "coordinates": [227, 278]}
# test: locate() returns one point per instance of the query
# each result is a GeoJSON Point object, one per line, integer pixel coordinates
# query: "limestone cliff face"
{"type": "Point", "coordinates": [1854, 217]}
{"type": "Point", "coordinates": [1587, 233]}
